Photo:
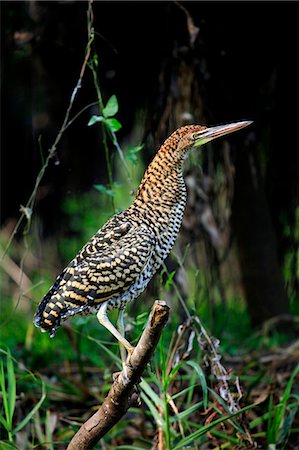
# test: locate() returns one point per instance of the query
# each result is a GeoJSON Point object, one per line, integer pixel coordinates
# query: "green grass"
{"type": "Point", "coordinates": [48, 385]}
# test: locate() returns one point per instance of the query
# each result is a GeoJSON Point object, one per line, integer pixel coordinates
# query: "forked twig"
{"type": "Point", "coordinates": [120, 398]}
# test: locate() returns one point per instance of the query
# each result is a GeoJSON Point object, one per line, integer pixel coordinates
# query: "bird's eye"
{"type": "Point", "coordinates": [198, 134]}
{"type": "Point", "coordinates": [195, 136]}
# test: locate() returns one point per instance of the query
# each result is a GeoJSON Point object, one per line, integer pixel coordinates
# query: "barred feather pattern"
{"type": "Point", "coordinates": [118, 262]}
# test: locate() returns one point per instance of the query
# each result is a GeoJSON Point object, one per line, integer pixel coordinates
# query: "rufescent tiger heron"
{"type": "Point", "coordinates": [117, 263]}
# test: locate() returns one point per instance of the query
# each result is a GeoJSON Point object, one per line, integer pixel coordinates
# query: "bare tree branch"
{"type": "Point", "coordinates": [121, 396]}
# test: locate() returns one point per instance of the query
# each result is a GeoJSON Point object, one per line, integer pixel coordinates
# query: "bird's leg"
{"type": "Point", "coordinates": [103, 319]}
{"type": "Point", "coordinates": [121, 328]}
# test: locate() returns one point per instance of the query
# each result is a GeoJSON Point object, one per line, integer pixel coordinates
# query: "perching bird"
{"type": "Point", "coordinates": [117, 263]}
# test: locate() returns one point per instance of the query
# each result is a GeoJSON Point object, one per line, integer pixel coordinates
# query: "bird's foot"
{"type": "Point", "coordinates": [125, 374]}
{"type": "Point", "coordinates": [130, 351]}
{"type": "Point", "coordinates": [115, 375]}
{"type": "Point", "coordinates": [127, 364]}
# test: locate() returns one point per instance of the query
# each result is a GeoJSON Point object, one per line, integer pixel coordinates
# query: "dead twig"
{"type": "Point", "coordinates": [121, 396]}
{"type": "Point", "coordinates": [26, 211]}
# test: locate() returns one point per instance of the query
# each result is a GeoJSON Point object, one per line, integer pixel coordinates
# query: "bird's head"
{"type": "Point", "coordinates": [190, 136]}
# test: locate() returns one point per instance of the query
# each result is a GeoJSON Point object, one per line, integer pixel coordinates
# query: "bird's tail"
{"type": "Point", "coordinates": [51, 309]}
{"type": "Point", "coordinates": [49, 313]}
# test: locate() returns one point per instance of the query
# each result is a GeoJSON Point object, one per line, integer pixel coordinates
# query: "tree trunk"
{"type": "Point", "coordinates": [262, 278]}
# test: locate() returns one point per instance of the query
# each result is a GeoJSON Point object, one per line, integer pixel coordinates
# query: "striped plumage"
{"type": "Point", "coordinates": [117, 263]}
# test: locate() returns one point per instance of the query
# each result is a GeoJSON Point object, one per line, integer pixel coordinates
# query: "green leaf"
{"type": "Point", "coordinates": [135, 148]}
{"type": "Point", "coordinates": [96, 60]}
{"type": "Point", "coordinates": [111, 107]}
{"type": "Point", "coordinates": [95, 119]}
{"type": "Point", "coordinates": [104, 190]}
{"type": "Point", "coordinates": [133, 158]}
{"type": "Point", "coordinates": [113, 124]}
{"type": "Point", "coordinates": [131, 154]}
{"type": "Point", "coordinates": [168, 283]}
{"type": "Point", "coordinates": [202, 380]}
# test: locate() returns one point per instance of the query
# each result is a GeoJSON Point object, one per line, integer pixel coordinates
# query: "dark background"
{"type": "Point", "coordinates": [243, 64]}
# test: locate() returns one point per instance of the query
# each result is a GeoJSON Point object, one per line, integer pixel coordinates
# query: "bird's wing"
{"type": "Point", "coordinates": [107, 267]}
{"type": "Point", "coordinates": [111, 232]}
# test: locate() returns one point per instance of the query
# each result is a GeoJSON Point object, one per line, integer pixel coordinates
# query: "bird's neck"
{"type": "Point", "coordinates": [162, 188]}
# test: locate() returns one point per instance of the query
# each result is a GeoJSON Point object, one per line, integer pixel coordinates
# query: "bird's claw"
{"type": "Point", "coordinates": [126, 365]}
{"type": "Point", "coordinates": [115, 375]}
{"type": "Point", "coordinates": [124, 374]}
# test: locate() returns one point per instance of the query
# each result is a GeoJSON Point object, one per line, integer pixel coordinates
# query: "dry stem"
{"type": "Point", "coordinates": [120, 396]}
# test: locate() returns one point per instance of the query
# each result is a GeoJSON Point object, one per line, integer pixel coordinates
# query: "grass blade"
{"type": "Point", "coordinates": [151, 394]}
{"type": "Point", "coordinates": [159, 420]}
{"type": "Point", "coordinates": [186, 412]}
{"type": "Point", "coordinates": [129, 447]}
{"type": "Point", "coordinates": [112, 355]}
{"type": "Point", "coordinates": [7, 446]}
{"type": "Point", "coordinates": [11, 387]}
{"type": "Point", "coordinates": [32, 412]}
{"type": "Point", "coordinates": [184, 391]}
{"type": "Point", "coordinates": [288, 389]}
{"type": "Point", "coordinates": [221, 402]}
{"type": "Point", "coordinates": [197, 434]}
{"type": "Point", "coordinates": [4, 396]}
{"type": "Point", "coordinates": [202, 380]}
{"type": "Point", "coordinates": [287, 412]}
{"type": "Point", "coordinates": [49, 434]}
{"type": "Point", "coordinates": [172, 374]}
{"type": "Point", "coordinates": [4, 423]}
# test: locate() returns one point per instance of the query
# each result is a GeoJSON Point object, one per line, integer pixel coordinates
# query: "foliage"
{"type": "Point", "coordinates": [180, 396]}
{"type": "Point", "coordinates": [291, 261]}
{"type": "Point", "coordinates": [47, 386]}
{"type": "Point", "coordinates": [8, 392]}
{"type": "Point", "coordinates": [109, 110]}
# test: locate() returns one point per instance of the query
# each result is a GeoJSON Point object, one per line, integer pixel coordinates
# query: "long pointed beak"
{"type": "Point", "coordinates": [211, 133]}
